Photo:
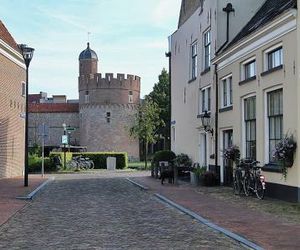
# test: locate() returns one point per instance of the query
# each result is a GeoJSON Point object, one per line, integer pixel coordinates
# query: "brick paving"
{"type": "Point", "coordinates": [104, 211]}
{"type": "Point", "coordinates": [268, 230]}
{"type": "Point", "coordinates": [10, 188]}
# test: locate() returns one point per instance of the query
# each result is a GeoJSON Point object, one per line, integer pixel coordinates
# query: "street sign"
{"type": "Point", "coordinates": [43, 130]}
{"type": "Point", "coordinates": [70, 128]}
{"type": "Point", "coordinates": [64, 139]}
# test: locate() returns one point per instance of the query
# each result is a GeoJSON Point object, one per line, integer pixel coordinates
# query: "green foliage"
{"type": "Point", "coordinates": [183, 160]}
{"type": "Point", "coordinates": [99, 158]}
{"type": "Point", "coordinates": [199, 171]}
{"type": "Point", "coordinates": [164, 155]}
{"type": "Point", "coordinates": [35, 164]}
{"type": "Point", "coordinates": [161, 96]}
{"type": "Point", "coordinates": [146, 123]}
{"type": "Point", "coordinates": [35, 150]}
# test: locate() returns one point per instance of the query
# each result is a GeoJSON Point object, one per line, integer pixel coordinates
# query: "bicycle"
{"type": "Point", "coordinates": [253, 181]}
{"type": "Point", "coordinates": [238, 179]}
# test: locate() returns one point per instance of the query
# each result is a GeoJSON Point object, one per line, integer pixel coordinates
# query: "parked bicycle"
{"type": "Point", "coordinates": [253, 180]}
{"type": "Point", "coordinates": [238, 176]}
{"type": "Point", "coordinates": [80, 162]}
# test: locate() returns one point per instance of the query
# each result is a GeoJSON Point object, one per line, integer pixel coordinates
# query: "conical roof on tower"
{"type": "Point", "coordinates": [88, 53]}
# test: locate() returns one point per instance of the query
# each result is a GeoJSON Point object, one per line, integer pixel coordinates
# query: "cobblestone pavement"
{"type": "Point", "coordinates": [104, 211]}
{"type": "Point", "coordinates": [265, 222]}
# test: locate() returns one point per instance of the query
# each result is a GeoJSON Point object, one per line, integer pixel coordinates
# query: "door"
{"type": "Point", "coordinates": [227, 164]}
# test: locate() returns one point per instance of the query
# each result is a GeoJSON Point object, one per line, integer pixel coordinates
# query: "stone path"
{"type": "Point", "coordinates": [104, 211]}
{"type": "Point", "coordinates": [234, 213]}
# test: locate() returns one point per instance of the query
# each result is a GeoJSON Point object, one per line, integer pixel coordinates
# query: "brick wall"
{"type": "Point", "coordinates": [12, 126]}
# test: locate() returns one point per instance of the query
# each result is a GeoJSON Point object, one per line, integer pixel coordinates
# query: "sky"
{"type": "Point", "coordinates": [129, 36]}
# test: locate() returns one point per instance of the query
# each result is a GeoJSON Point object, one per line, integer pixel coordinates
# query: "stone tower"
{"type": "Point", "coordinates": [107, 105]}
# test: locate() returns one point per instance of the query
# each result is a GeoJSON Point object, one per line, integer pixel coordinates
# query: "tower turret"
{"type": "Point", "coordinates": [88, 61]}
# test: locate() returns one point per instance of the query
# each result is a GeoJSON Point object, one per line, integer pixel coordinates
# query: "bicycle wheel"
{"type": "Point", "coordinates": [246, 185]}
{"type": "Point", "coordinates": [92, 165]}
{"type": "Point", "coordinates": [236, 184]}
{"type": "Point", "coordinates": [260, 191]}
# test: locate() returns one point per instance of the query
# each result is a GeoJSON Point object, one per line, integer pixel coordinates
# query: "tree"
{"type": "Point", "coordinates": [161, 96]}
{"type": "Point", "coordinates": [146, 122]}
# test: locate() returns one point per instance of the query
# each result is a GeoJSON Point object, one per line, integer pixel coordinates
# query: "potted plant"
{"type": "Point", "coordinates": [284, 153]}
{"type": "Point", "coordinates": [232, 153]}
{"type": "Point", "coordinates": [197, 175]}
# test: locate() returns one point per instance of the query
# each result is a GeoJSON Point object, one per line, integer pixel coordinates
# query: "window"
{"type": "Point", "coordinates": [130, 96]}
{"type": "Point", "coordinates": [227, 92]}
{"type": "Point", "coordinates": [250, 126]}
{"type": "Point", "coordinates": [249, 69]}
{"type": "Point", "coordinates": [23, 89]}
{"type": "Point", "coordinates": [274, 58]}
{"type": "Point", "coordinates": [108, 117]}
{"type": "Point", "coordinates": [194, 60]}
{"type": "Point", "coordinates": [173, 133]}
{"type": "Point", "coordinates": [207, 42]}
{"type": "Point", "coordinates": [204, 99]}
{"type": "Point", "coordinates": [86, 97]}
{"type": "Point", "coordinates": [275, 119]}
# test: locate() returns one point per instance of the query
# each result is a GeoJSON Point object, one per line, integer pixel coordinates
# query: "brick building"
{"type": "Point", "coordinates": [12, 105]}
{"type": "Point", "coordinates": [101, 117]}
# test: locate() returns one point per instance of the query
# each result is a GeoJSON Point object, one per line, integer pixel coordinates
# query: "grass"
{"type": "Point", "coordinates": [140, 165]}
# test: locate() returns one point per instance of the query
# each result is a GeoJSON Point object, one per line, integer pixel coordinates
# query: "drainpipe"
{"type": "Point", "coordinates": [227, 9]}
{"type": "Point", "coordinates": [169, 55]}
{"type": "Point", "coordinates": [216, 118]}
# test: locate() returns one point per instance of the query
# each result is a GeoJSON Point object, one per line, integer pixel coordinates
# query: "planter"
{"type": "Point", "coordinates": [194, 179]}
{"type": "Point", "coordinates": [288, 163]}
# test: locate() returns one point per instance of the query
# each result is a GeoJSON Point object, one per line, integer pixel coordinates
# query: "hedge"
{"type": "Point", "coordinates": [35, 164]}
{"type": "Point", "coordinates": [99, 158]}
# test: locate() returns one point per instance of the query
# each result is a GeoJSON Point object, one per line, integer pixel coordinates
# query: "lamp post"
{"type": "Point", "coordinates": [27, 53]}
{"type": "Point", "coordinates": [206, 121]}
{"type": "Point", "coordinates": [65, 132]}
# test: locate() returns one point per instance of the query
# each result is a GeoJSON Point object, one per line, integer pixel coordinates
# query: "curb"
{"type": "Point", "coordinates": [202, 220]}
{"type": "Point", "coordinates": [34, 192]}
{"type": "Point", "coordinates": [137, 184]}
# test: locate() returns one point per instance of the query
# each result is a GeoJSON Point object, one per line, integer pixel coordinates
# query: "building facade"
{"type": "Point", "coordinates": [262, 64]}
{"type": "Point", "coordinates": [253, 96]}
{"type": "Point", "coordinates": [204, 28]}
{"type": "Point", "coordinates": [12, 100]}
{"type": "Point", "coordinates": [101, 117]}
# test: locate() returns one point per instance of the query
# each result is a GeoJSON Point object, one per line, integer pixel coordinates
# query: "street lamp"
{"type": "Point", "coordinates": [27, 53]}
{"type": "Point", "coordinates": [206, 121]}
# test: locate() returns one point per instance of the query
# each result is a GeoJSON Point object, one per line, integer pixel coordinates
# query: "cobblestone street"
{"type": "Point", "coordinates": [104, 211]}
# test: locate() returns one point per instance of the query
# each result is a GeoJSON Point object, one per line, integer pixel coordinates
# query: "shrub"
{"type": "Point", "coordinates": [99, 158]}
{"type": "Point", "coordinates": [164, 155]}
{"type": "Point", "coordinates": [183, 160]}
{"type": "Point", "coordinates": [35, 164]}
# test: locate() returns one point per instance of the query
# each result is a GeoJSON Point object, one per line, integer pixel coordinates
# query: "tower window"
{"type": "Point", "coordinates": [130, 96]}
{"type": "Point", "coordinates": [86, 97]}
{"type": "Point", "coordinates": [108, 117]}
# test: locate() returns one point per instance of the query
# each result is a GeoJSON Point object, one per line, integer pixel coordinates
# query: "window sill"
{"type": "Point", "coordinates": [226, 109]}
{"type": "Point", "coordinates": [272, 167]}
{"type": "Point", "coordinates": [205, 71]}
{"type": "Point", "coordinates": [247, 80]}
{"type": "Point", "coordinates": [193, 79]}
{"type": "Point", "coordinates": [272, 70]}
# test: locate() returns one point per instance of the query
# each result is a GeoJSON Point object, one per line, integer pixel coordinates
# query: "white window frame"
{"type": "Point", "coordinates": [229, 97]}
{"type": "Point", "coordinates": [266, 120]}
{"type": "Point", "coordinates": [206, 107]}
{"type": "Point", "coordinates": [243, 68]}
{"type": "Point", "coordinates": [205, 67]}
{"type": "Point", "coordinates": [193, 56]}
{"type": "Point", "coordinates": [268, 51]}
{"type": "Point", "coordinates": [243, 122]}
